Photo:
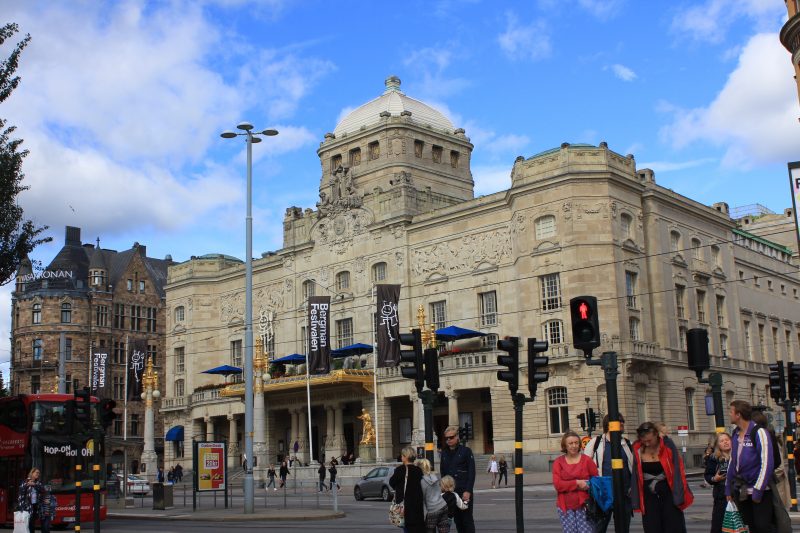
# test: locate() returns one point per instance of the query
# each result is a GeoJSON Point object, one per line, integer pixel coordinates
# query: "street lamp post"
{"type": "Point", "coordinates": [246, 127]}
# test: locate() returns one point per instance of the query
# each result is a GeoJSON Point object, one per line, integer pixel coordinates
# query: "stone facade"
{"type": "Point", "coordinates": [578, 219]}
{"type": "Point", "coordinates": [87, 299]}
{"type": "Point", "coordinates": [790, 38]}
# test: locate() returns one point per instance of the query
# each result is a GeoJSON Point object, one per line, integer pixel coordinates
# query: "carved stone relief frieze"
{"type": "Point", "coordinates": [272, 297]}
{"type": "Point", "coordinates": [337, 232]}
{"type": "Point", "coordinates": [231, 306]}
{"type": "Point", "coordinates": [464, 254]}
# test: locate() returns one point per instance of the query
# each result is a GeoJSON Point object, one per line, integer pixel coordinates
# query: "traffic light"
{"type": "Point", "coordinates": [413, 339]}
{"type": "Point", "coordinates": [697, 349]}
{"type": "Point", "coordinates": [793, 382]}
{"type": "Point", "coordinates": [585, 324]}
{"type": "Point", "coordinates": [432, 369]}
{"type": "Point", "coordinates": [777, 382]}
{"type": "Point", "coordinates": [582, 418]}
{"type": "Point", "coordinates": [591, 419]}
{"type": "Point", "coordinates": [537, 365]}
{"type": "Point", "coordinates": [511, 361]}
{"type": "Point", "coordinates": [105, 412]}
{"type": "Point", "coordinates": [79, 409]}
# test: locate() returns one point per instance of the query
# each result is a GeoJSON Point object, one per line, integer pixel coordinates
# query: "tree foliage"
{"type": "Point", "coordinates": [3, 389]}
{"type": "Point", "coordinates": [18, 237]}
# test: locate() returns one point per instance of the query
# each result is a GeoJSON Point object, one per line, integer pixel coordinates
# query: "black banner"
{"type": "Point", "coordinates": [99, 374]}
{"type": "Point", "coordinates": [319, 346]}
{"type": "Point", "coordinates": [388, 325]}
{"type": "Point", "coordinates": [136, 362]}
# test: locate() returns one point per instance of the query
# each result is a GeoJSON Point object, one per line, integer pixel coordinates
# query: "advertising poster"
{"type": "Point", "coordinates": [388, 326]}
{"type": "Point", "coordinates": [210, 466]}
{"type": "Point", "coordinates": [99, 366]}
{"type": "Point", "coordinates": [319, 348]}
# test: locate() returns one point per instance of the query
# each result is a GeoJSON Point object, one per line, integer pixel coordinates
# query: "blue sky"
{"type": "Point", "coordinates": [121, 103]}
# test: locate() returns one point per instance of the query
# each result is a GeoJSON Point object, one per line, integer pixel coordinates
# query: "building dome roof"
{"type": "Point", "coordinates": [394, 102]}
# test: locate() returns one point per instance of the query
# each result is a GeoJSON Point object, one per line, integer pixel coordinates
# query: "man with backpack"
{"type": "Point", "coordinates": [599, 449]}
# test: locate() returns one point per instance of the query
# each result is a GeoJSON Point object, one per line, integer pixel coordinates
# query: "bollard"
{"type": "Point", "coordinates": [335, 499]}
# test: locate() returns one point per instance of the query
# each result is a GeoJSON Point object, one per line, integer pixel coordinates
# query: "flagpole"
{"type": "Point", "coordinates": [375, 376]}
{"type": "Point", "coordinates": [125, 408]}
{"type": "Point", "coordinates": [308, 401]}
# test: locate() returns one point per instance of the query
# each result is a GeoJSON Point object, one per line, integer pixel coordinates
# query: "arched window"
{"type": "Point", "coordinates": [626, 220]}
{"type": "Point", "coordinates": [378, 272]}
{"type": "Point", "coordinates": [558, 409]}
{"type": "Point", "coordinates": [634, 328]}
{"type": "Point", "coordinates": [179, 313]}
{"type": "Point", "coordinates": [696, 248]}
{"type": "Point", "coordinates": [309, 288]}
{"type": "Point", "coordinates": [36, 313]}
{"type": "Point", "coordinates": [66, 313]}
{"type": "Point", "coordinates": [343, 281]}
{"type": "Point", "coordinates": [674, 241]}
{"type": "Point", "coordinates": [545, 226]}
{"type": "Point", "coordinates": [553, 331]}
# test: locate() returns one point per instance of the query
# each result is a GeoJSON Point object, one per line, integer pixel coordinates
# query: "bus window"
{"type": "Point", "coordinates": [51, 418]}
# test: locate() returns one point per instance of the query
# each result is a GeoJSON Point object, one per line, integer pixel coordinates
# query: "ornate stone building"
{"type": "Point", "coordinates": [790, 37]}
{"type": "Point", "coordinates": [89, 299]}
{"type": "Point", "coordinates": [397, 206]}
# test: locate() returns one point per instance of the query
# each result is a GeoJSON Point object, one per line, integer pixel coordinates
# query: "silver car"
{"type": "Point", "coordinates": [375, 485]}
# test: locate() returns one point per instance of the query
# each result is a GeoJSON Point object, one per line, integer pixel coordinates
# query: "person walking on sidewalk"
{"type": "Point", "coordinates": [29, 497]}
{"type": "Point", "coordinates": [503, 467]}
{"type": "Point", "coordinates": [716, 476]}
{"type": "Point", "coordinates": [493, 469]}
{"type": "Point", "coordinates": [283, 472]}
{"type": "Point", "coordinates": [333, 472]}
{"type": "Point", "coordinates": [321, 472]}
{"type": "Point", "coordinates": [47, 510]}
{"type": "Point", "coordinates": [271, 476]}
{"type": "Point", "coordinates": [750, 470]}
{"type": "Point", "coordinates": [599, 449]}
{"type": "Point", "coordinates": [571, 473]}
{"type": "Point", "coordinates": [458, 461]}
{"type": "Point", "coordinates": [406, 481]}
{"type": "Point", "coordinates": [434, 505]}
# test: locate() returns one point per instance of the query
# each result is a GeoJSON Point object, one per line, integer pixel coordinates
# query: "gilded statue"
{"type": "Point", "coordinates": [368, 435]}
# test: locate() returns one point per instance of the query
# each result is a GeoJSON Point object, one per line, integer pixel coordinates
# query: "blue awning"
{"type": "Point", "coordinates": [175, 433]}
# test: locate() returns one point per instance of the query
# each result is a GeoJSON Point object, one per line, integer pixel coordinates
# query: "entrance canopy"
{"type": "Point", "coordinates": [175, 433]}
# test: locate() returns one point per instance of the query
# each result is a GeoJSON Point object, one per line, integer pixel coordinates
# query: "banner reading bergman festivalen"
{"type": "Point", "coordinates": [319, 346]}
{"type": "Point", "coordinates": [136, 363]}
{"type": "Point", "coordinates": [99, 360]}
{"type": "Point", "coordinates": [388, 325]}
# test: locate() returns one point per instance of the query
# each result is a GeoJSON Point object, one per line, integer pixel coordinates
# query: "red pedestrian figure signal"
{"type": "Point", "coordinates": [584, 311]}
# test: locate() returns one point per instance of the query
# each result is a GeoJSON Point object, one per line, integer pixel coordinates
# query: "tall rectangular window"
{"type": "Point", "coordinates": [775, 343]}
{"type": "Point", "coordinates": [118, 353]}
{"type": "Point", "coordinates": [36, 313]}
{"type": "Point", "coordinates": [690, 409]}
{"type": "Point", "coordinates": [439, 314]}
{"type": "Point", "coordinates": [37, 349]}
{"type": "Point", "coordinates": [68, 384]}
{"type": "Point", "coordinates": [102, 316]}
{"type": "Point", "coordinates": [630, 288]}
{"type": "Point", "coordinates": [179, 359]}
{"type": "Point", "coordinates": [136, 318]}
{"type": "Point", "coordinates": [236, 353]}
{"type": "Point", "coordinates": [720, 310]}
{"type": "Point", "coordinates": [344, 332]}
{"type": "Point", "coordinates": [748, 342]}
{"type": "Point", "coordinates": [761, 342]}
{"type": "Point", "coordinates": [680, 296]}
{"type": "Point", "coordinates": [551, 291]}
{"type": "Point", "coordinates": [119, 316]}
{"type": "Point", "coordinates": [723, 345]}
{"type": "Point", "coordinates": [558, 407]}
{"type": "Point", "coordinates": [150, 319]}
{"type": "Point", "coordinates": [68, 349]}
{"type": "Point", "coordinates": [488, 301]}
{"type": "Point", "coordinates": [36, 384]}
{"type": "Point", "coordinates": [633, 326]}
{"type": "Point", "coordinates": [118, 387]}
{"type": "Point", "coordinates": [134, 425]}
{"type": "Point", "coordinates": [701, 306]}
{"type": "Point", "coordinates": [553, 331]}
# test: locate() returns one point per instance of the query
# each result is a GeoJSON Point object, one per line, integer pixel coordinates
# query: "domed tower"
{"type": "Point", "coordinates": [392, 141]}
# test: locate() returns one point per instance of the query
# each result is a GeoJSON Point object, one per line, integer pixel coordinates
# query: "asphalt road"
{"type": "Point", "coordinates": [494, 512]}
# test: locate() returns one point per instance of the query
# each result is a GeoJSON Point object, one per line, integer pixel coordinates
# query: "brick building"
{"type": "Point", "coordinates": [90, 299]}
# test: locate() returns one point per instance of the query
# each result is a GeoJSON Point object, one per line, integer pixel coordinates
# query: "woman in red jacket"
{"type": "Point", "coordinates": [658, 488]}
{"type": "Point", "coordinates": [571, 473]}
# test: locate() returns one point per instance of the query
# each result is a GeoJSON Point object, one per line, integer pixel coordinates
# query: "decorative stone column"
{"type": "Point", "coordinates": [233, 444]}
{"type": "Point", "coordinates": [302, 437]}
{"type": "Point", "coordinates": [149, 459]}
{"type": "Point", "coordinates": [294, 435]}
{"type": "Point", "coordinates": [209, 428]}
{"type": "Point", "coordinates": [418, 417]}
{"type": "Point", "coordinates": [339, 444]}
{"type": "Point", "coordinates": [452, 408]}
{"type": "Point", "coordinates": [330, 419]}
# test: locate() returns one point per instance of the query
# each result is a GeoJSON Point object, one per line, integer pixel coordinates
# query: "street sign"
{"type": "Point", "coordinates": [584, 441]}
{"type": "Point", "coordinates": [683, 431]}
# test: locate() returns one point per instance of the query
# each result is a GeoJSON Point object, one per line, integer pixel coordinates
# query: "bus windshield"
{"type": "Point", "coordinates": [51, 418]}
{"type": "Point", "coordinates": [59, 456]}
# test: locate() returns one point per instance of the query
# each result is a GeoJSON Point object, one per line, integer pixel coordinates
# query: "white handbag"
{"type": "Point", "coordinates": [21, 521]}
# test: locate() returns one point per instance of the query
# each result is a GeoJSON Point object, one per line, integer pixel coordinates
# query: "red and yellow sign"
{"type": "Point", "coordinates": [210, 466]}
{"type": "Point", "coordinates": [584, 441]}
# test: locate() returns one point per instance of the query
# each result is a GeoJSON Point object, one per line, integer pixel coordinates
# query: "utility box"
{"type": "Point", "coordinates": [162, 496]}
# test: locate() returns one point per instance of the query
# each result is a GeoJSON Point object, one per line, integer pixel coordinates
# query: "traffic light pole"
{"type": "Point", "coordinates": [96, 471]}
{"type": "Point", "coordinates": [519, 404]}
{"type": "Point", "coordinates": [789, 432]}
{"type": "Point", "coordinates": [608, 362]}
{"type": "Point", "coordinates": [427, 407]}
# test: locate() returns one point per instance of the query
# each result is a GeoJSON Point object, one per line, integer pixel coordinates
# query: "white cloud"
{"type": "Point", "coordinates": [622, 72]}
{"type": "Point", "coordinates": [428, 66]}
{"type": "Point", "coordinates": [602, 10]}
{"type": "Point", "coordinates": [530, 41]}
{"type": "Point", "coordinates": [711, 20]}
{"type": "Point", "coordinates": [508, 143]}
{"type": "Point", "coordinates": [754, 117]}
{"type": "Point", "coordinates": [668, 166]}
{"type": "Point", "coordinates": [491, 178]}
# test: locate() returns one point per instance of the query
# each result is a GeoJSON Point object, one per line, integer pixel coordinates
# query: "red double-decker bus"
{"type": "Point", "coordinates": [34, 433]}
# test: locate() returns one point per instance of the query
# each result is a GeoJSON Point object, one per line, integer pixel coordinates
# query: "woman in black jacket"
{"type": "Point", "coordinates": [715, 475]}
{"type": "Point", "coordinates": [407, 484]}
{"type": "Point", "coordinates": [283, 472]}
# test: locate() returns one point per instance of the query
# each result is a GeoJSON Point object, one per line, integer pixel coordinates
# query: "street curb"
{"type": "Point", "coordinates": [227, 518]}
